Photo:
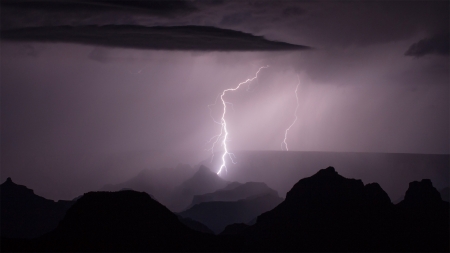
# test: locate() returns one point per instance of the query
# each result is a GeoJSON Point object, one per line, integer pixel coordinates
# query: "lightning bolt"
{"type": "Point", "coordinates": [295, 119]}
{"type": "Point", "coordinates": [223, 135]}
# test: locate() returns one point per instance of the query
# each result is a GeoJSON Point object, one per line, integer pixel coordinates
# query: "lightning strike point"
{"type": "Point", "coordinates": [223, 135]}
{"type": "Point", "coordinates": [295, 119]}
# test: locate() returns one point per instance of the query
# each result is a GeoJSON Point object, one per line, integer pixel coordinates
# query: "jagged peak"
{"type": "Point", "coordinates": [422, 192]}
{"type": "Point", "coordinates": [204, 171]}
{"type": "Point", "coordinates": [325, 184]}
{"type": "Point", "coordinates": [9, 185]}
{"type": "Point", "coordinates": [376, 195]}
{"type": "Point", "coordinates": [329, 171]}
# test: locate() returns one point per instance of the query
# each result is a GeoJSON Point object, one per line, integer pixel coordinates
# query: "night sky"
{"type": "Point", "coordinates": [92, 92]}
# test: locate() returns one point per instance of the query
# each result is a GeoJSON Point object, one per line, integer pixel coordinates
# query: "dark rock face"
{"type": "Point", "coordinates": [421, 193]}
{"type": "Point", "coordinates": [445, 194]}
{"type": "Point", "coordinates": [195, 225]}
{"type": "Point", "coordinates": [100, 212]}
{"type": "Point", "coordinates": [119, 221]}
{"type": "Point", "coordinates": [27, 215]}
{"type": "Point", "coordinates": [235, 228]}
{"type": "Point", "coordinates": [327, 212]}
{"type": "Point", "coordinates": [375, 196]}
{"type": "Point", "coordinates": [424, 219]}
{"type": "Point", "coordinates": [325, 189]}
{"type": "Point", "coordinates": [322, 211]}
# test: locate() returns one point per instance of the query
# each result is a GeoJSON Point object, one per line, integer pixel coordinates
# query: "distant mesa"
{"type": "Point", "coordinates": [203, 181]}
{"type": "Point", "coordinates": [238, 204]}
{"type": "Point", "coordinates": [234, 191]}
{"type": "Point", "coordinates": [231, 186]}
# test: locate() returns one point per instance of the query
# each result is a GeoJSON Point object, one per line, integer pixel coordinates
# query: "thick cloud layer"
{"type": "Point", "coordinates": [153, 7]}
{"type": "Point", "coordinates": [160, 38]}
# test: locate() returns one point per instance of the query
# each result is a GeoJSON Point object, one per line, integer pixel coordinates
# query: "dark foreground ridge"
{"type": "Point", "coordinates": [328, 212]}
{"type": "Point", "coordinates": [324, 212]}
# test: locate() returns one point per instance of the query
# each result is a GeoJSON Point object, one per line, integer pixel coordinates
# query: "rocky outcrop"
{"type": "Point", "coordinates": [27, 215]}
{"type": "Point", "coordinates": [328, 212]}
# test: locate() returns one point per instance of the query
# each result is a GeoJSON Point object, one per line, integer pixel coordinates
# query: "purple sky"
{"type": "Point", "coordinates": [77, 116]}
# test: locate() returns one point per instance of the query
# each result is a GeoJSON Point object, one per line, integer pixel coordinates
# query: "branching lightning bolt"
{"type": "Point", "coordinates": [223, 135]}
{"type": "Point", "coordinates": [295, 119]}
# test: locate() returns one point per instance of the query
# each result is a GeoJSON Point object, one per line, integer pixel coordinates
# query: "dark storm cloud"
{"type": "Point", "coordinates": [438, 44]}
{"type": "Point", "coordinates": [32, 13]}
{"type": "Point", "coordinates": [235, 18]}
{"type": "Point", "coordinates": [293, 11]}
{"type": "Point", "coordinates": [161, 38]}
{"type": "Point", "coordinates": [154, 7]}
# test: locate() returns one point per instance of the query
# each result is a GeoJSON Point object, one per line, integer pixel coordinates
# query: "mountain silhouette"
{"type": "Point", "coordinates": [234, 191]}
{"type": "Point", "coordinates": [218, 214]}
{"type": "Point", "coordinates": [195, 225]}
{"type": "Point", "coordinates": [203, 181]}
{"type": "Point", "coordinates": [282, 169]}
{"type": "Point", "coordinates": [159, 183]}
{"type": "Point", "coordinates": [424, 219]}
{"type": "Point", "coordinates": [420, 194]}
{"type": "Point", "coordinates": [323, 212]}
{"type": "Point", "coordinates": [320, 211]}
{"type": "Point", "coordinates": [27, 215]}
{"type": "Point", "coordinates": [444, 195]}
{"type": "Point", "coordinates": [121, 221]}
{"type": "Point", "coordinates": [328, 212]}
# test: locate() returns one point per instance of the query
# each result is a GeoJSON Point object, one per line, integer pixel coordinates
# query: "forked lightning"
{"type": "Point", "coordinates": [223, 135]}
